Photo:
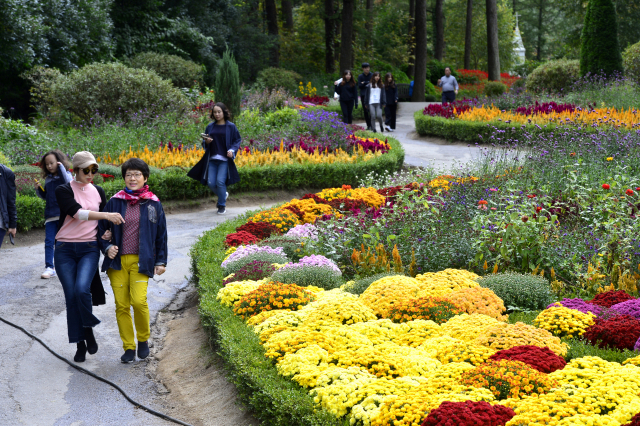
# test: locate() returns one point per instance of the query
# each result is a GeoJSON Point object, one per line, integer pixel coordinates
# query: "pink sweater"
{"type": "Point", "coordinates": [75, 230]}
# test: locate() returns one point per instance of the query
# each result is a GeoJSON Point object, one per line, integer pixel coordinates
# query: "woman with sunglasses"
{"type": "Point", "coordinates": [77, 253]}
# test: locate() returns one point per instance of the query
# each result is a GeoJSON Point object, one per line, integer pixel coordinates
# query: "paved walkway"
{"type": "Point", "coordinates": [37, 389]}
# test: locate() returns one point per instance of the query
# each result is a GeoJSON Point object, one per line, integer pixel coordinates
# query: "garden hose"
{"type": "Point", "coordinates": [92, 374]}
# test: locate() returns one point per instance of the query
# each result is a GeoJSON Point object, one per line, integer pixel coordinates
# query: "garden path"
{"type": "Point", "coordinates": [38, 389]}
{"type": "Point", "coordinates": [425, 151]}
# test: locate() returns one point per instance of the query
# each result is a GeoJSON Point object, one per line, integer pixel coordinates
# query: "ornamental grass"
{"type": "Point", "coordinates": [468, 413]}
{"type": "Point", "coordinates": [479, 300]}
{"type": "Point", "coordinates": [564, 322]}
{"type": "Point", "coordinates": [620, 332]}
{"type": "Point", "coordinates": [541, 359]}
{"type": "Point", "coordinates": [508, 379]}
{"type": "Point", "coordinates": [435, 309]}
{"type": "Point", "coordinates": [270, 296]}
{"type": "Point", "coordinates": [610, 298]}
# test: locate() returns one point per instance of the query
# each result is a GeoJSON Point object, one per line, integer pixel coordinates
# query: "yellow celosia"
{"type": "Point", "coordinates": [162, 157]}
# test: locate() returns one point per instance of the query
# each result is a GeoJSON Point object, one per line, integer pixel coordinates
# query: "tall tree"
{"type": "Point", "coordinates": [227, 83]}
{"type": "Point", "coordinates": [600, 51]}
{"type": "Point", "coordinates": [286, 8]}
{"type": "Point", "coordinates": [421, 52]}
{"type": "Point", "coordinates": [346, 39]}
{"type": "Point", "coordinates": [368, 25]}
{"type": "Point", "coordinates": [412, 39]}
{"type": "Point", "coordinates": [329, 36]}
{"type": "Point", "coordinates": [468, 35]}
{"type": "Point", "coordinates": [540, 29]}
{"type": "Point", "coordinates": [493, 50]}
{"type": "Point", "coordinates": [438, 17]}
{"type": "Point", "coordinates": [272, 28]}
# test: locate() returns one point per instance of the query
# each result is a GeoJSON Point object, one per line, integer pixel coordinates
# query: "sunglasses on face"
{"type": "Point", "coordinates": [92, 170]}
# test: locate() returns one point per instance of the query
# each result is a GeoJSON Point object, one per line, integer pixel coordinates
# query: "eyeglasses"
{"type": "Point", "coordinates": [133, 175]}
{"type": "Point", "coordinates": [92, 170]}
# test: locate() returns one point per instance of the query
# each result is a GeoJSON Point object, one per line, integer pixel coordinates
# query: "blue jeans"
{"type": "Point", "coordinates": [76, 265]}
{"type": "Point", "coordinates": [217, 180]}
{"type": "Point", "coordinates": [50, 231]}
{"type": "Point", "coordinates": [3, 232]}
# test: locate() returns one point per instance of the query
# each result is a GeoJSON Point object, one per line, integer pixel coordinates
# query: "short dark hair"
{"type": "Point", "coordinates": [366, 65]}
{"type": "Point", "coordinates": [445, 68]}
{"type": "Point", "coordinates": [135, 164]}
{"type": "Point", "coordinates": [225, 111]}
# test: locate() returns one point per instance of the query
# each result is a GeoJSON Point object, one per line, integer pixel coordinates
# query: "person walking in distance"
{"type": "Point", "coordinates": [346, 89]}
{"type": "Point", "coordinates": [391, 108]}
{"type": "Point", "coordinates": [375, 100]}
{"type": "Point", "coordinates": [8, 212]}
{"type": "Point", "coordinates": [449, 86]}
{"type": "Point", "coordinates": [363, 82]}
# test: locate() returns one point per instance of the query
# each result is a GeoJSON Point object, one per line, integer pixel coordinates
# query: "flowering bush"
{"type": "Point", "coordinates": [620, 332]}
{"type": "Point", "coordinates": [314, 260]}
{"type": "Point", "coordinates": [308, 210]}
{"type": "Point", "coordinates": [261, 230]}
{"type": "Point", "coordinates": [630, 307]}
{"type": "Point", "coordinates": [564, 322]}
{"type": "Point", "coordinates": [282, 219]}
{"type": "Point", "coordinates": [270, 257]}
{"type": "Point", "coordinates": [445, 282]}
{"type": "Point", "coordinates": [434, 309]}
{"type": "Point", "coordinates": [508, 379]}
{"type": "Point", "coordinates": [468, 413]}
{"type": "Point", "coordinates": [240, 238]}
{"type": "Point", "coordinates": [388, 291]}
{"type": "Point", "coordinates": [579, 305]}
{"type": "Point", "coordinates": [541, 359]}
{"type": "Point", "coordinates": [256, 270]}
{"type": "Point", "coordinates": [270, 296]}
{"type": "Point", "coordinates": [505, 336]}
{"type": "Point", "coordinates": [290, 244]}
{"type": "Point", "coordinates": [232, 292]}
{"type": "Point", "coordinates": [368, 195]}
{"type": "Point", "coordinates": [308, 275]}
{"type": "Point", "coordinates": [306, 230]}
{"type": "Point", "coordinates": [245, 251]}
{"type": "Point", "coordinates": [635, 421]}
{"type": "Point", "coordinates": [478, 300]}
{"type": "Point", "coordinates": [610, 298]}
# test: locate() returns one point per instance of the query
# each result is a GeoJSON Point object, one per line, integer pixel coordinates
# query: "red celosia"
{"type": "Point", "coordinates": [610, 298]}
{"type": "Point", "coordinates": [476, 413]}
{"type": "Point", "coordinates": [620, 332]}
{"type": "Point", "coordinates": [542, 359]}
{"type": "Point", "coordinates": [545, 108]}
{"type": "Point", "coordinates": [240, 238]}
{"type": "Point", "coordinates": [261, 230]}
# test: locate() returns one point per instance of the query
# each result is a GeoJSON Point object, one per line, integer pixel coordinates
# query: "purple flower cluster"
{"type": "Point", "coordinates": [306, 230]}
{"type": "Point", "coordinates": [247, 250]}
{"type": "Point", "coordinates": [314, 260]}
{"type": "Point", "coordinates": [629, 307]}
{"type": "Point", "coordinates": [579, 305]}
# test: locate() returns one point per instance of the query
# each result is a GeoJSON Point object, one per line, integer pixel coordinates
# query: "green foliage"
{"type": "Point", "coordinates": [302, 50]}
{"type": "Point", "coordinates": [384, 67]}
{"type": "Point", "coordinates": [429, 89]}
{"type": "Point", "coordinates": [553, 76]}
{"type": "Point", "coordinates": [233, 267]}
{"type": "Point", "coordinates": [526, 317]}
{"type": "Point", "coordinates": [19, 141]}
{"type": "Point", "coordinates": [390, 38]}
{"type": "Point", "coordinates": [281, 117]}
{"type": "Point", "coordinates": [113, 90]}
{"type": "Point", "coordinates": [631, 58]}
{"type": "Point", "coordinates": [5, 160]}
{"type": "Point", "coordinates": [42, 80]}
{"type": "Point", "coordinates": [181, 72]}
{"type": "Point", "coordinates": [275, 399]}
{"type": "Point", "coordinates": [494, 88]}
{"type": "Point", "coordinates": [358, 287]}
{"type": "Point", "coordinates": [308, 275]}
{"type": "Point", "coordinates": [579, 348]}
{"type": "Point", "coordinates": [436, 70]}
{"type": "Point", "coordinates": [527, 68]}
{"type": "Point", "coordinates": [227, 86]}
{"type": "Point", "coordinates": [600, 50]}
{"type": "Point", "coordinates": [30, 212]}
{"type": "Point", "coordinates": [522, 291]}
{"type": "Point", "coordinates": [278, 78]}
{"type": "Point", "coordinates": [291, 245]}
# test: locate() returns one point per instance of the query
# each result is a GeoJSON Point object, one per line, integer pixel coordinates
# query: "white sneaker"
{"type": "Point", "coordinates": [48, 273]}
{"type": "Point", "coordinates": [388, 129]}
{"type": "Point", "coordinates": [226, 196]}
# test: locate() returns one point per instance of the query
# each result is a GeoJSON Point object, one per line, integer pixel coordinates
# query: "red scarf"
{"type": "Point", "coordinates": [134, 196]}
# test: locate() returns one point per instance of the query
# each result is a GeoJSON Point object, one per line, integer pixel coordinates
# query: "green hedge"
{"type": "Point", "coordinates": [273, 399]}
{"type": "Point", "coordinates": [30, 212]}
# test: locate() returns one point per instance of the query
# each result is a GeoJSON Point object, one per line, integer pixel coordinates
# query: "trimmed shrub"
{"type": "Point", "coordinates": [527, 68]}
{"type": "Point", "coordinates": [30, 212]}
{"type": "Point", "coordinates": [227, 83]}
{"type": "Point", "coordinates": [554, 76]}
{"type": "Point", "coordinates": [384, 67]}
{"type": "Point", "coordinates": [114, 90]}
{"type": "Point", "coordinates": [305, 276]}
{"type": "Point", "coordinates": [600, 48]}
{"type": "Point", "coordinates": [524, 291]}
{"type": "Point", "coordinates": [181, 72]}
{"type": "Point", "coordinates": [272, 78]}
{"type": "Point", "coordinates": [494, 88]}
{"type": "Point", "coordinates": [430, 89]}
{"type": "Point", "coordinates": [631, 62]}
{"type": "Point", "coordinates": [20, 142]}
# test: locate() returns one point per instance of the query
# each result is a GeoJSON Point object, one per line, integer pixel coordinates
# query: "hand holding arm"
{"type": "Point", "coordinates": [114, 218]}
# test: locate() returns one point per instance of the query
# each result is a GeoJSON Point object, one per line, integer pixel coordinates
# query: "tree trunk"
{"type": "Point", "coordinates": [540, 29]}
{"type": "Point", "coordinates": [421, 51]}
{"type": "Point", "coordinates": [346, 47]}
{"type": "Point", "coordinates": [287, 14]}
{"type": "Point", "coordinates": [468, 35]}
{"type": "Point", "coordinates": [368, 25]}
{"type": "Point", "coordinates": [439, 28]}
{"type": "Point", "coordinates": [493, 51]}
{"type": "Point", "coordinates": [329, 36]}
{"type": "Point", "coordinates": [272, 29]}
{"type": "Point", "coordinates": [412, 38]}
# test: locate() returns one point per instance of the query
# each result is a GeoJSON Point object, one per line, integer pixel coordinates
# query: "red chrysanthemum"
{"type": "Point", "coordinates": [620, 332]}
{"type": "Point", "coordinates": [240, 238]}
{"type": "Point", "coordinates": [542, 359]}
{"type": "Point", "coordinates": [476, 413]}
{"type": "Point", "coordinates": [261, 230]}
{"type": "Point", "coordinates": [610, 298]}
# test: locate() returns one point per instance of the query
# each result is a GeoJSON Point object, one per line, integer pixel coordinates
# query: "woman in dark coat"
{"type": "Point", "coordinates": [217, 169]}
{"type": "Point", "coordinates": [348, 96]}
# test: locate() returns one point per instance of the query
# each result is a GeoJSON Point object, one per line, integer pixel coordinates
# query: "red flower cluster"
{"type": "Point", "coordinates": [348, 204]}
{"type": "Point", "coordinates": [315, 198]}
{"type": "Point", "coordinates": [240, 238]}
{"type": "Point", "coordinates": [479, 74]}
{"type": "Point", "coordinates": [316, 100]}
{"type": "Point", "coordinates": [107, 176]}
{"type": "Point", "coordinates": [392, 191]}
{"type": "Point", "coordinates": [545, 108]}
{"type": "Point", "coordinates": [261, 230]}
{"type": "Point", "coordinates": [446, 111]}
{"type": "Point", "coordinates": [542, 359]}
{"type": "Point", "coordinates": [635, 421]}
{"type": "Point", "coordinates": [610, 298]}
{"type": "Point", "coordinates": [295, 210]}
{"type": "Point", "coordinates": [256, 270]}
{"type": "Point", "coordinates": [606, 186]}
{"type": "Point", "coordinates": [620, 332]}
{"type": "Point", "coordinates": [474, 413]}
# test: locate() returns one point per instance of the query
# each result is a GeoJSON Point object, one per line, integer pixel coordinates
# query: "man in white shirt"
{"type": "Point", "coordinates": [449, 86]}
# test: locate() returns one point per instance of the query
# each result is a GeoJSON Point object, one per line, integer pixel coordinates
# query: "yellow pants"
{"type": "Point", "coordinates": [130, 289]}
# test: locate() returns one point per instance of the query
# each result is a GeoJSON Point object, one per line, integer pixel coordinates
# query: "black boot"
{"type": "Point", "coordinates": [143, 350]}
{"type": "Point", "coordinates": [129, 356]}
{"type": "Point", "coordinates": [92, 345]}
{"type": "Point", "coordinates": [81, 352]}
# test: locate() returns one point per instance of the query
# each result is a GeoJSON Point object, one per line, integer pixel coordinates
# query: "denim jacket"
{"type": "Point", "coordinates": [152, 236]}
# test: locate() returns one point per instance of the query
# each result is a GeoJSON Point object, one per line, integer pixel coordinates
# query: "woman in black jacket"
{"type": "Point", "coordinates": [391, 107]}
{"type": "Point", "coordinates": [348, 96]}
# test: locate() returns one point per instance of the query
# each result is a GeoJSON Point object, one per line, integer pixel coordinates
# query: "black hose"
{"type": "Point", "coordinates": [92, 374]}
